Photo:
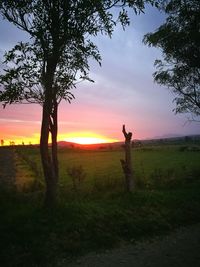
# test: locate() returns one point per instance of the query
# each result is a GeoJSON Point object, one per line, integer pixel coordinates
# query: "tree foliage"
{"type": "Point", "coordinates": [45, 69]}
{"type": "Point", "coordinates": [60, 32]}
{"type": "Point", "coordinates": [179, 40]}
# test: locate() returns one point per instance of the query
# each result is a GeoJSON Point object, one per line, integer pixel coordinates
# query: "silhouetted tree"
{"type": "Point", "coordinates": [179, 40]}
{"type": "Point", "coordinates": [2, 142]}
{"type": "Point", "coordinates": [46, 68]}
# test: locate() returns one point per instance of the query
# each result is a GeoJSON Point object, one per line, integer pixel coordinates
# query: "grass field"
{"type": "Point", "coordinates": [94, 212]}
{"type": "Point", "coordinates": [154, 167]}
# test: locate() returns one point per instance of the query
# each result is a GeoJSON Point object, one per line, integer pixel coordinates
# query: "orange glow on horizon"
{"type": "Point", "coordinates": [74, 137]}
{"type": "Point", "coordinates": [86, 138]}
{"type": "Point", "coordinates": [20, 140]}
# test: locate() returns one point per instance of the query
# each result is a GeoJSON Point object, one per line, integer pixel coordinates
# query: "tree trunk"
{"type": "Point", "coordinates": [49, 126]}
{"type": "Point", "coordinates": [49, 161]}
{"type": "Point", "coordinates": [127, 163]}
{"type": "Point", "coordinates": [54, 133]}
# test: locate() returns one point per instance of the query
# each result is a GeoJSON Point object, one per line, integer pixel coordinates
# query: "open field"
{"type": "Point", "coordinates": [155, 167]}
{"type": "Point", "coordinates": [94, 212]}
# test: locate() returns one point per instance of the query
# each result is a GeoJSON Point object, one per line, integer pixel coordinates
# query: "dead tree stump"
{"type": "Point", "coordinates": [127, 163]}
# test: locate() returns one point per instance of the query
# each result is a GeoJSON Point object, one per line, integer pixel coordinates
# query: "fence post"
{"type": "Point", "coordinates": [127, 163]}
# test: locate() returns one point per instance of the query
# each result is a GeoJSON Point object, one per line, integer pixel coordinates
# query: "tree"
{"type": "Point", "coordinates": [45, 69]}
{"type": "Point", "coordinates": [127, 163]}
{"type": "Point", "coordinates": [179, 40]}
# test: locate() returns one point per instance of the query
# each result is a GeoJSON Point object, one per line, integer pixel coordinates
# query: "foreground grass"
{"type": "Point", "coordinates": [97, 214]}
{"type": "Point", "coordinates": [31, 236]}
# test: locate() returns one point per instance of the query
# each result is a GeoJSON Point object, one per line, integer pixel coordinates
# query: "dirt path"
{"type": "Point", "coordinates": [180, 248]}
{"type": "Point", "coordinates": [7, 167]}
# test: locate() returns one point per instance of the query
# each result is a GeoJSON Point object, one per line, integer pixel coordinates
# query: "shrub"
{"type": "Point", "coordinates": [77, 175]}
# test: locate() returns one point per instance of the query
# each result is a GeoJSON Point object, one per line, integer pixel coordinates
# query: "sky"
{"type": "Point", "coordinates": [123, 93]}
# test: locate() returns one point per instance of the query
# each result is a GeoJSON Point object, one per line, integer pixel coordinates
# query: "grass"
{"type": "Point", "coordinates": [99, 214]}
{"type": "Point", "coordinates": [155, 167]}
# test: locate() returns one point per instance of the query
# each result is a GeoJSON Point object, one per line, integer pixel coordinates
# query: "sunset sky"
{"type": "Point", "coordinates": [123, 93]}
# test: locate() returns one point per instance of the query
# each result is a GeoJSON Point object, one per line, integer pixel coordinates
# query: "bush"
{"type": "Point", "coordinates": [77, 175]}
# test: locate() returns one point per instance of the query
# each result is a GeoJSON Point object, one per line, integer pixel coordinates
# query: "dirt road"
{"type": "Point", "coordinates": [180, 248]}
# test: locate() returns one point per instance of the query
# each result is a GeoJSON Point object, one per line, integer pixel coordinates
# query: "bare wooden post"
{"type": "Point", "coordinates": [127, 164]}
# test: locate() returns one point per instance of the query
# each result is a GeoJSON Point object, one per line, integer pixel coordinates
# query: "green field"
{"type": "Point", "coordinates": [155, 167]}
{"type": "Point", "coordinates": [94, 212]}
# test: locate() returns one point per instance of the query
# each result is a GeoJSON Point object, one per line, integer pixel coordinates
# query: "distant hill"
{"type": "Point", "coordinates": [65, 143]}
{"type": "Point", "coordinates": [172, 139]}
{"type": "Point", "coordinates": [118, 145]}
{"type": "Point", "coordinates": [89, 146]}
{"type": "Point", "coordinates": [168, 136]}
{"type": "Point", "coordinates": [115, 145]}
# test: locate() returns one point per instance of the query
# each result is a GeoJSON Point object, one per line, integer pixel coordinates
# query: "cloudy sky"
{"type": "Point", "coordinates": [123, 93]}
